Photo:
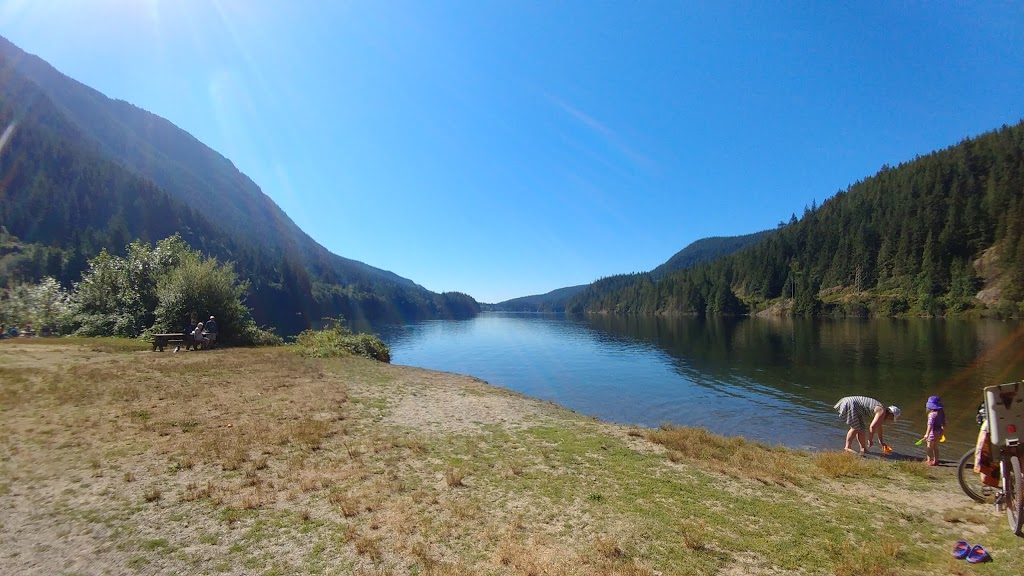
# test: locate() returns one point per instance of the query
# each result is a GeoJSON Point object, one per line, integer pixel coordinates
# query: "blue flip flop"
{"type": "Point", "coordinates": [978, 555]}
{"type": "Point", "coordinates": [961, 549]}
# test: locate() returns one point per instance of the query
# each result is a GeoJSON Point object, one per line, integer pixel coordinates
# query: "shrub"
{"type": "Point", "coordinates": [42, 304]}
{"type": "Point", "coordinates": [891, 306]}
{"type": "Point", "coordinates": [337, 340]}
{"type": "Point", "coordinates": [194, 290]}
{"type": "Point", "coordinates": [254, 336]}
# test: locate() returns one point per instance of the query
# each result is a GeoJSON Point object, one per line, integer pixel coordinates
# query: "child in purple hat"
{"type": "Point", "coordinates": [936, 423]}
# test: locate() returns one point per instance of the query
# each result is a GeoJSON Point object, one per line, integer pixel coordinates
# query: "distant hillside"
{"type": "Point", "coordinates": [941, 234]}
{"type": "Point", "coordinates": [706, 250]}
{"type": "Point", "coordinates": [553, 301]}
{"type": "Point", "coordinates": [83, 171]}
{"type": "Point", "coordinates": [700, 251]}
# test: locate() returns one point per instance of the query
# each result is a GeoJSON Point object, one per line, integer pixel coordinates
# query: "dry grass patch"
{"type": "Point", "coordinates": [310, 433]}
{"type": "Point", "coordinates": [194, 492]}
{"type": "Point", "coordinates": [876, 558]}
{"type": "Point", "coordinates": [369, 546]}
{"type": "Point", "coordinates": [967, 516]}
{"type": "Point", "coordinates": [346, 503]}
{"type": "Point", "coordinates": [731, 455]}
{"type": "Point", "coordinates": [694, 534]}
{"type": "Point", "coordinates": [454, 476]}
{"type": "Point", "coordinates": [152, 494]}
{"type": "Point", "coordinates": [844, 465]}
{"type": "Point", "coordinates": [608, 547]}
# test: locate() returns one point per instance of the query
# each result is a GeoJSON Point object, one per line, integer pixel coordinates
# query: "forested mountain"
{"type": "Point", "coordinates": [81, 172]}
{"type": "Point", "coordinates": [706, 250]}
{"type": "Point", "coordinates": [943, 233]}
{"type": "Point", "coordinates": [553, 301]}
{"type": "Point", "coordinates": [703, 250]}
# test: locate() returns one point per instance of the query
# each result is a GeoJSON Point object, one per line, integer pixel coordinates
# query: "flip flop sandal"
{"type": "Point", "coordinates": [978, 555]}
{"type": "Point", "coordinates": [961, 549]}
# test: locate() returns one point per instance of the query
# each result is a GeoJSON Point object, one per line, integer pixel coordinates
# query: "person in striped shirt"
{"type": "Point", "coordinates": [865, 417]}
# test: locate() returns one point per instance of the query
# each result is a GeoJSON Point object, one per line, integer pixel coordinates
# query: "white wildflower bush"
{"type": "Point", "coordinates": [38, 305]}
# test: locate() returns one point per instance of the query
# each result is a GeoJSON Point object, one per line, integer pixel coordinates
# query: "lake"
{"type": "Point", "coordinates": [767, 379]}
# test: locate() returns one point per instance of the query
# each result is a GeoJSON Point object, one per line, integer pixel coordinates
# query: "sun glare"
{"type": "Point", "coordinates": [70, 19]}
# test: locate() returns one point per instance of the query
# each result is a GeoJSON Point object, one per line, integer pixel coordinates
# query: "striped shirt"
{"type": "Point", "coordinates": [858, 411]}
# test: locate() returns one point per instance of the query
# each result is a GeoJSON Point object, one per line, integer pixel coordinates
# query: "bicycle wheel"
{"type": "Point", "coordinates": [970, 482]}
{"type": "Point", "coordinates": [1013, 497]}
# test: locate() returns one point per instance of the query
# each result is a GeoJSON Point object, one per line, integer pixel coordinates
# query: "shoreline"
{"type": "Point", "coordinates": [259, 461]}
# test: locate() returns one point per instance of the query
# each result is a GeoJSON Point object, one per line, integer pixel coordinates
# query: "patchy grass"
{"type": "Point", "coordinates": [734, 456]}
{"type": "Point", "coordinates": [263, 461]}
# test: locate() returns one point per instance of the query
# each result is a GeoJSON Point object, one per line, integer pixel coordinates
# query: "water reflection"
{"type": "Point", "coordinates": [773, 380]}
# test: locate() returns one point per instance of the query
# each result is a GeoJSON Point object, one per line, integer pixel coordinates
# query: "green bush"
{"type": "Point", "coordinates": [166, 288]}
{"type": "Point", "coordinates": [196, 289]}
{"type": "Point", "coordinates": [42, 304]}
{"type": "Point", "coordinates": [369, 346]}
{"type": "Point", "coordinates": [116, 295]}
{"type": "Point", "coordinates": [261, 337]}
{"type": "Point", "coordinates": [891, 306]}
{"type": "Point", "coordinates": [337, 340]}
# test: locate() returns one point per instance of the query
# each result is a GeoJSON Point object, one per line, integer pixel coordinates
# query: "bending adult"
{"type": "Point", "coordinates": [865, 417]}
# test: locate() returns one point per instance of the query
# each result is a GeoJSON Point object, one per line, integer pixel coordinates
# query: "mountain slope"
{"type": "Point", "coordinates": [84, 172]}
{"type": "Point", "coordinates": [184, 167]}
{"type": "Point", "coordinates": [553, 301]}
{"type": "Point", "coordinates": [943, 233]}
{"type": "Point", "coordinates": [697, 252]}
{"type": "Point", "coordinates": [57, 188]}
{"type": "Point", "coordinates": [706, 250]}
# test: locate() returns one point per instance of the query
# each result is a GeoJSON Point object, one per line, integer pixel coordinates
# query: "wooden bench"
{"type": "Point", "coordinates": [161, 340]}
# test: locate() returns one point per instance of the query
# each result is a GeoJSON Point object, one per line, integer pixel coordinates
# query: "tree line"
{"type": "Point", "coordinates": [164, 288]}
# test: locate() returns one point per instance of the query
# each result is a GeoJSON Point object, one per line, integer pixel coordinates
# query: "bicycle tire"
{"type": "Point", "coordinates": [1013, 493]}
{"type": "Point", "coordinates": [970, 482]}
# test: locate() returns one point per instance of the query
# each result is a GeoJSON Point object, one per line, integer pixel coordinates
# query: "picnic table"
{"type": "Point", "coordinates": [161, 340]}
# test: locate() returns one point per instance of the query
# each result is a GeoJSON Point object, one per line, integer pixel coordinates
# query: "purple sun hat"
{"type": "Point", "coordinates": [934, 403]}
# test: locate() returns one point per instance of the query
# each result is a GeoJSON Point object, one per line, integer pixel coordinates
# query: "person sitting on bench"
{"type": "Point", "coordinates": [197, 336]}
{"type": "Point", "coordinates": [211, 331]}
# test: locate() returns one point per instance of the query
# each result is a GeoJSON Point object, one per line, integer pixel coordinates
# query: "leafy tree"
{"type": "Point", "coordinates": [108, 300]}
{"type": "Point", "coordinates": [196, 289]}
{"type": "Point", "coordinates": [166, 288]}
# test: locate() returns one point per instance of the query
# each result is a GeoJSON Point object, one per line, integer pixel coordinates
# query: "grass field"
{"type": "Point", "coordinates": [115, 459]}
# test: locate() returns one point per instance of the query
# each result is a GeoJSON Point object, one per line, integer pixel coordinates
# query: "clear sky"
{"type": "Point", "coordinates": [504, 149]}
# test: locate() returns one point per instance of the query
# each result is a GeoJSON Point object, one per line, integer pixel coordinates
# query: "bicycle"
{"type": "Point", "coordinates": [1003, 413]}
{"type": "Point", "coordinates": [970, 481]}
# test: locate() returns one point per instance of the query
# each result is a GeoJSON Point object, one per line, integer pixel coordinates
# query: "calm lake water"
{"type": "Point", "coordinates": [771, 380]}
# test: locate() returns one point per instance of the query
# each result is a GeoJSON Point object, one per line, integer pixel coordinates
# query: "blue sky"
{"type": "Point", "coordinates": [511, 148]}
